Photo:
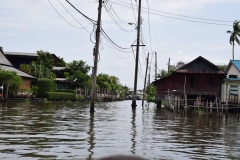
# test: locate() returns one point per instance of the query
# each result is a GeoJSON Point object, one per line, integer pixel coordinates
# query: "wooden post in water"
{"type": "Point", "coordinates": [210, 108]}
{"type": "Point", "coordinates": [207, 107]}
{"type": "Point", "coordinates": [238, 111]}
{"type": "Point", "coordinates": [178, 104]}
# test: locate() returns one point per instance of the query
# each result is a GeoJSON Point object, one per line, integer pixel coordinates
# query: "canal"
{"type": "Point", "coordinates": [68, 131]}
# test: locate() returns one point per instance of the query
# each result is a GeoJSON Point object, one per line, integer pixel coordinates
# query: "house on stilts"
{"type": "Point", "coordinates": [199, 79]}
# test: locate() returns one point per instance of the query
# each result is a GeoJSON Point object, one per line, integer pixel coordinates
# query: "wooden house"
{"type": "Point", "coordinates": [231, 84]}
{"type": "Point", "coordinates": [6, 65]}
{"type": "Point", "coordinates": [199, 78]}
{"type": "Point", "coordinates": [17, 58]}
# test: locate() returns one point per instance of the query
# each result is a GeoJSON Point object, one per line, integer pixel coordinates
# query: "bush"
{"type": "Point", "coordinates": [60, 96]}
{"type": "Point", "coordinates": [67, 90]}
{"type": "Point", "coordinates": [44, 85]}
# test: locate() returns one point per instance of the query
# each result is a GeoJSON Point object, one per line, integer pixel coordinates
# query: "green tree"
{"type": "Point", "coordinates": [25, 68]}
{"type": "Point", "coordinates": [151, 92]}
{"type": "Point", "coordinates": [60, 63]}
{"type": "Point", "coordinates": [11, 80]}
{"type": "Point", "coordinates": [222, 67]}
{"type": "Point", "coordinates": [163, 73]}
{"type": "Point", "coordinates": [45, 59]}
{"type": "Point", "coordinates": [234, 35]}
{"type": "Point", "coordinates": [78, 73]}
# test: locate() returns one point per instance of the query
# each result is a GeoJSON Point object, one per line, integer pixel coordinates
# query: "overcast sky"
{"type": "Point", "coordinates": [173, 32]}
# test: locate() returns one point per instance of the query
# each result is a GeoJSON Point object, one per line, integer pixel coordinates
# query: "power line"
{"type": "Point", "coordinates": [91, 20]}
{"type": "Point", "coordinates": [73, 16]}
{"type": "Point", "coordinates": [211, 23]}
{"type": "Point", "coordinates": [133, 12]}
{"type": "Point", "coordinates": [104, 33]}
{"type": "Point", "coordinates": [149, 27]}
{"type": "Point", "coordinates": [111, 14]}
{"type": "Point", "coordinates": [205, 19]}
{"type": "Point", "coordinates": [63, 17]}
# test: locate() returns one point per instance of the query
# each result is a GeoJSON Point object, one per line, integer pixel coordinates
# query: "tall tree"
{"type": "Point", "coordinates": [78, 72]}
{"type": "Point", "coordinates": [45, 59]}
{"type": "Point", "coordinates": [234, 35]}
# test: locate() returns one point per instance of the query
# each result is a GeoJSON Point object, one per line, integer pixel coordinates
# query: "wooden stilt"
{"type": "Point", "coordinates": [210, 108]}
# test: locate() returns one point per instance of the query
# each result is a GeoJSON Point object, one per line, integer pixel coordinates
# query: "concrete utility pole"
{"type": "Point", "coordinates": [145, 81]}
{"type": "Point", "coordinates": [96, 50]}
{"type": "Point", "coordinates": [155, 66]}
{"type": "Point", "coordinates": [137, 55]}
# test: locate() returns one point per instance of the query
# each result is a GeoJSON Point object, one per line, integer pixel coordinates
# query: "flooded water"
{"type": "Point", "coordinates": [68, 131]}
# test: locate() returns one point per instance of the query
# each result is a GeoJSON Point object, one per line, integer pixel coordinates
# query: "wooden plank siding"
{"type": "Point", "coordinates": [26, 83]}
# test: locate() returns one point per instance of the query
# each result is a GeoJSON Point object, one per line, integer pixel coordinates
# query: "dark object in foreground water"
{"type": "Point", "coordinates": [120, 157]}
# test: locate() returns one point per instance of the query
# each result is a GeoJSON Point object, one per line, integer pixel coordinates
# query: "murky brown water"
{"type": "Point", "coordinates": [68, 131]}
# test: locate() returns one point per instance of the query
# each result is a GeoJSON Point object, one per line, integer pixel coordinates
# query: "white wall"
{"type": "Point", "coordinates": [233, 70]}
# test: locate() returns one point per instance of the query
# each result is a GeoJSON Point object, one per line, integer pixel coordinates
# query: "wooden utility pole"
{"type": "Point", "coordinates": [168, 65]}
{"type": "Point", "coordinates": [145, 81]}
{"type": "Point", "coordinates": [155, 66]}
{"type": "Point", "coordinates": [137, 55]}
{"type": "Point", "coordinates": [96, 50]}
{"type": "Point", "coordinates": [149, 82]}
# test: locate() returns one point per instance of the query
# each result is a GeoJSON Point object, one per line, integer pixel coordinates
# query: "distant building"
{"type": "Point", "coordinates": [138, 92]}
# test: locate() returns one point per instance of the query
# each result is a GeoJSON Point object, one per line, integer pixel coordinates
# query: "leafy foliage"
{"type": "Point", "coordinates": [163, 73]}
{"type": "Point", "coordinates": [151, 93]}
{"type": "Point", "coordinates": [78, 73]}
{"type": "Point", "coordinates": [25, 68]}
{"type": "Point", "coordinates": [11, 80]}
{"type": "Point", "coordinates": [45, 59]}
{"type": "Point", "coordinates": [222, 67]}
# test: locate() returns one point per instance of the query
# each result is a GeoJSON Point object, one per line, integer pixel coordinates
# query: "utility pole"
{"type": "Point", "coordinates": [155, 66]}
{"type": "Point", "coordinates": [149, 82]}
{"type": "Point", "coordinates": [145, 81]}
{"type": "Point", "coordinates": [137, 55]}
{"type": "Point", "coordinates": [95, 54]}
{"type": "Point", "coordinates": [168, 65]}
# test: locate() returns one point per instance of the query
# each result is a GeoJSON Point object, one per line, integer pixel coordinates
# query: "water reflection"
{"type": "Point", "coordinates": [67, 131]}
{"type": "Point", "coordinates": [91, 136]}
{"type": "Point", "coordinates": [134, 132]}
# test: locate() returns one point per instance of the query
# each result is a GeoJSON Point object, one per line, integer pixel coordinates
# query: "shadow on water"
{"type": "Point", "coordinates": [91, 136]}
{"type": "Point", "coordinates": [134, 132]}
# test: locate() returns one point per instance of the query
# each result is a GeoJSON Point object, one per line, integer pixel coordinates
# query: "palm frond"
{"type": "Point", "coordinates": [229, 31]}
{"type": "Point", "coordinates": [237, 40]}
{"type": "Point", "coordinates": [231, 39]}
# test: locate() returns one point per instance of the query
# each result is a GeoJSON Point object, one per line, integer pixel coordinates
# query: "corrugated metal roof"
{"type": "Point", "coordinates": [236, 63]}
{"type": "Point", "coordinates": [60, 68]}
{"type": "Point", "coordinates": [63, 80]}
{"type": "Point", "coordinates": [20, 73]}
{"type": "Point", "coordinates": [3, 59]}
{"type": "Point", "coordinates": [232, 79]}
{"type": "Point", "coordinates": [199, 71]}
{"type": "Point", "coordinates": [21, 54]}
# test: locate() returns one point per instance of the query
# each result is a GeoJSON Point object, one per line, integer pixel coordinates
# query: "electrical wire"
{"type": "Point", "coordinates": [149, 27]}
{"type": "Point", "coordinates": [108, 9]}
{"type": "Point", "coordinates": [205, 19]}
{"type": "Point", "coordinates": [104, 33]}
{"type": "Point", "coordinates": [189, 20]}
{"type": "Point", "coordinates": [91, 20]}
{"type": "Point", "coordinates": [63, 17]}
{"type": "Point", "coordinates": [133, 12]}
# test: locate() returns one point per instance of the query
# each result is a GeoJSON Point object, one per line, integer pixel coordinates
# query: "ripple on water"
{"type": "Point", "coordinates": [68, 131]}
